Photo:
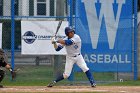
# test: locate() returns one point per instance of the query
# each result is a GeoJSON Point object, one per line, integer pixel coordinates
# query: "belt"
{"type": "Point", "coordinates": [76, 55]}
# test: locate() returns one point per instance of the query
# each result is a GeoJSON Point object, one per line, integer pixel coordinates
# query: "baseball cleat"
{"type": "Point", "coordinates": [93, 85]}
{"type": "Point", "coordinates": [51, 84]}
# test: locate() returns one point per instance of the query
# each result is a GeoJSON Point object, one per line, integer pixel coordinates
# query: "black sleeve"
{"type": "Point", "coordinates": [3, 64]}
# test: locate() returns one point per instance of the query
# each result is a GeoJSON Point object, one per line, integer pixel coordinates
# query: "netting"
{"type": "Point", "coordinates": [41, 69]}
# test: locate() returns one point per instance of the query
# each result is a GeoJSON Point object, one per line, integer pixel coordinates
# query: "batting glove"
{"type": "Point", "coordinates": [53, 40]}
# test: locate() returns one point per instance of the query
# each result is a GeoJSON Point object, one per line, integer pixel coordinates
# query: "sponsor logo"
{"type": "Point", "coordinates": [29, 37]}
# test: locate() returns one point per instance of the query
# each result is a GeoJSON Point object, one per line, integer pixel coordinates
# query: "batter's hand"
{"type": "Point", "coordinates": [53, 40]}
{"type": "Point", "coordinates": [61, 41]}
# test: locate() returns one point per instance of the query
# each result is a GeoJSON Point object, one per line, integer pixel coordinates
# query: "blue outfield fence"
{"type": "Point", "coordinates": [108, 29]}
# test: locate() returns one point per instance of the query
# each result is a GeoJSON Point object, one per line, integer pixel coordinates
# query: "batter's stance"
{"type": "Point", "coordinates": [73, 47]}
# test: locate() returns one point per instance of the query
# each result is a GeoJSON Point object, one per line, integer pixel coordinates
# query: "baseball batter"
{"type": "Point", "coordinates": [72, 43]}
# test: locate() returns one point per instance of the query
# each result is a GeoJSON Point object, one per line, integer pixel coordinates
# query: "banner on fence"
{"type": "Point", "coordinates": [107, 27]}
{"type": "Point", "coordinates": [0, 35]}
{"type": "Point", "coordinates": [36, 37]}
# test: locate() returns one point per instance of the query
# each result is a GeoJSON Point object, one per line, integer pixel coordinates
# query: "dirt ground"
{"type": "Point", "coordinates": [65, 89]}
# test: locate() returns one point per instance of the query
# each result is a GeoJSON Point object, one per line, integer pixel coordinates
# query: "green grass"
{"type": "Point", "coordinates": [30, 75]}
{"type": "Point", "coordinates": [125, 83]}
{"type": "Point", "coordinates": [42, 75]}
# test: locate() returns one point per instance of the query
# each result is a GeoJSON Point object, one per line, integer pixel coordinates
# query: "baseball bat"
{"type": "Point", "coordinates": [58, 27]}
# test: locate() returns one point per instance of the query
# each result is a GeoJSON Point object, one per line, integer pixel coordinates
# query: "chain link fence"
{"type": "Point", "coordinates": [42, 68]}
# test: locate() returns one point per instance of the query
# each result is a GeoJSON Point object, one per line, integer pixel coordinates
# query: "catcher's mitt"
{"type": "Point", "coordinates": [13, 74]}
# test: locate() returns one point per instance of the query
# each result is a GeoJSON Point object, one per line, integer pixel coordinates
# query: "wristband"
{"type": "Point", "coordinates": [10, 69]}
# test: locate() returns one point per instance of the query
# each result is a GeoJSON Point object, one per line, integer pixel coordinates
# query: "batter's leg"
{"type": "Point", "coordinates": [91, 79]}
{"type": "Point", "coordinates": [67, 72]}
{"type": "Point", "coordinates": [68, 66]}
{"type": "Point", "coordinates": [55, 81]}
{"type": "Point", "coordinates": [82, 64]}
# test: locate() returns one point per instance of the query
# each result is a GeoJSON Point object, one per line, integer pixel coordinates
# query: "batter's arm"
{"type": "Point", "coordinates": [61, 41]}
{"type": "Point", "coordinates": [55, 45]}
{"type": "Point", "coordinates": [58, 47]}
{"type": "Point", "coordinates": [65, 42]}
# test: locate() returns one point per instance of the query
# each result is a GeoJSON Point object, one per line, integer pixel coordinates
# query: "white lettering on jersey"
{"type": "Point", "coordinates": [75, 48]}
{"type": "Point", "coordinates": [94, 22]}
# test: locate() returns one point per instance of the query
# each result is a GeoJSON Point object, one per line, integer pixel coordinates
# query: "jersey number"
{"type": "Point", "coordinates": [75, 46]}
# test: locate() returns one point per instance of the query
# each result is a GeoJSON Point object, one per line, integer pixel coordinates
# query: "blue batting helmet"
{"type": "Point", "coordinates": [68, 29]}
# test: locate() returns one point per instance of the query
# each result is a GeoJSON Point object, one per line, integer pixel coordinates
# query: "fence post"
{"type": "Point", "coordinates": [58, 58]}
{"type": "Point", "coordinates": [58, 65]}
{"type": "Point", "coordinates": [37, 61]}
{"type": "Point", "coordinates": [135, 41]}
{"type": "Point", "coordinates": [12, 32]}
{"type": "Point", "coordinates": [71, 77]}
{"type": "Point", "coordinates": [71, 12]}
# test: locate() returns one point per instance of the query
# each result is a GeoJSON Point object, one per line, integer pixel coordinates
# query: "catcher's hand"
{"type": "Point", "coordinates": [13, 74]}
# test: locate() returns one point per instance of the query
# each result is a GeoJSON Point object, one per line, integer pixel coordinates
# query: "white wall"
{"type": "Point", "coordinates": [7, 7]}
{"type": "Point", "coordinates": [24, 7]}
